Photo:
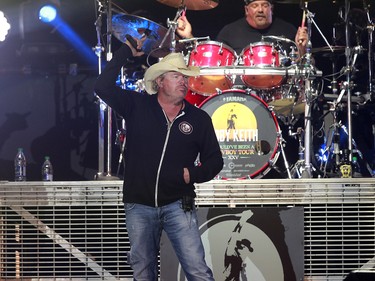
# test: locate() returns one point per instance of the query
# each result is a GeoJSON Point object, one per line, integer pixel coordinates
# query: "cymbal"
{"type": "Point", "coordinates": [138, 27]}
{"type": "Point", "coordinates": [191, 4]}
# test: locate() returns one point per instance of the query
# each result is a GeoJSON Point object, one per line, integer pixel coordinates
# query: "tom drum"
{"type": "Point", "coordinates": [261, 55]}
{"type": "Point", "coordinates": [211, 54]}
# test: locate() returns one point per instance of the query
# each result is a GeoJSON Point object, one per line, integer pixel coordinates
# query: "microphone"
{"type": "Point", "coordinates": [132, 42]}
{"type": "Point", "coordinates": [278, 38]}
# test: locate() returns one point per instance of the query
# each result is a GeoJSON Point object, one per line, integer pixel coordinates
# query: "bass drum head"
{"type": "Point", "coordinates": [247, 131]}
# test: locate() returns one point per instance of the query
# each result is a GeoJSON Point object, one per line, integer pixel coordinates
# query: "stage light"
{"type": "Point", "coordinates": [323, 154]}
{"type": "Point", "coordinates": [47, 13]}
{"type": "Point", "coordinates": [4, 26]}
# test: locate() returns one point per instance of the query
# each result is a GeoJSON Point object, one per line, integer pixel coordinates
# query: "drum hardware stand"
{"type": "Point", "coordinates": [121, 141]}
{"type": "Point", "coordinates": [281, 142]}
{"type": "Point", "coordinates": [370, 29]}
{"type": "Point", "coordinates": [194, 39]}
{"type": "Point", "coordinates": [281, 145]}
{"type": "Point", "coordinates": [333, 59]}
{"type": "Point", "coordinates": [101, 174]}
{"type": "Point", "coordinates": [121, 133]}
{"type": "Point", "coordinates": [172, 29]}
{"type": "Point", "coordinates": [293, 55]}
{"type": "Point", "coordinates": [332, 140]}
{"type": "Point", "coordinates": [306, 171]}
{"type": "Point", "coordinates": [98, 51]}
{"type": "Point", "coordinates": [356, 150]}
{"type": "Point", "coordinates": [333, 144]}
{"type": "Point", "coordinates": [298, 167]}
{"type": "Point", "coordinates": [281, 148]}
{"type": "Point", "coordinates": [347, 83]}
{"type": "Point", "coordinates": [191, 43]}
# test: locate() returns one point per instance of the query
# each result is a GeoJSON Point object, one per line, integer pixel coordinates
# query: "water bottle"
{"type": "Point", "coordinates": [345, 166]}
{"type": "Point", "coordinates": [47, 170]}
{"type": "Point", "coordinates": [20, 166]}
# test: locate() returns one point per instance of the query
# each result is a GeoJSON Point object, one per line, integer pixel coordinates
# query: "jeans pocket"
{"type": "Point", "coordinates": [129, 206]}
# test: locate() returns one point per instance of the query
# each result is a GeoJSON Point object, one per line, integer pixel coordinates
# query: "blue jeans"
{"type": "Point", "coordinates": [145, 225]}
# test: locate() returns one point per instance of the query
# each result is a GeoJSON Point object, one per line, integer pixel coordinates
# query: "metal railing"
{"type": "Point", "coordinates": [76, 230]}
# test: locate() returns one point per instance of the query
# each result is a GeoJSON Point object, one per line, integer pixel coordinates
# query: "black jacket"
{"type": "Point", "coordinates": [155, 153]}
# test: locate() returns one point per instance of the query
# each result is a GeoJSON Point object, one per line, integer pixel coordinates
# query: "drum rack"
{"type": "Point", "coordinates": [246, 70]}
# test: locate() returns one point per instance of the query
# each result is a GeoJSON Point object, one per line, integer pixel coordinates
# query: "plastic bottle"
{"type": "Point", "coordinates": [47, 170]}
{"type": "Point", "coordinates": [345, 166]}
{"type": "Point", "coordinates": [20, 166]}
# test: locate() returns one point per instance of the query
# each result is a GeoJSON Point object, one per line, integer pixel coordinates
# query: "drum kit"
{"type": "Point", "coordinates": [251, 95]}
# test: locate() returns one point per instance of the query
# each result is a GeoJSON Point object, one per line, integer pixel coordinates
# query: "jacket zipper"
{"type": "Point", "coordinates": [169, 126]}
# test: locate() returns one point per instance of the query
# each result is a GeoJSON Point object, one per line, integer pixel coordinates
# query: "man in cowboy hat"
{"type": "Point", "coordinates": [164, 138]}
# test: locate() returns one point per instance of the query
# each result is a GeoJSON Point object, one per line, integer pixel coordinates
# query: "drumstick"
{"type": "Point", "coordinates": [303, 23]}
{"type": "Point", "coordinates": [303, 18]}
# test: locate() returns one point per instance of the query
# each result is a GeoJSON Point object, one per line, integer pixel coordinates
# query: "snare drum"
{"type": "Point", "coordinates": [247, 131]}
{"type": "Point", "coordinates": [261, 55]}
{"type": "Point", "coordinates": [286, 100]}
{"type": "Point", "coordinates": [211, 54]}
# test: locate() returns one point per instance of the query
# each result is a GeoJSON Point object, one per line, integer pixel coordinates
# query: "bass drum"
{"type": "Point", "coordinates": [247, 131]}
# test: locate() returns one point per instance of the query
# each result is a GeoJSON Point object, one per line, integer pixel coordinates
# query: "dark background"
{"type": "Point", "coordinates": [47, 104]}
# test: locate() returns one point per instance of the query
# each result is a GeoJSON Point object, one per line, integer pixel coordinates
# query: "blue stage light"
{"type": "Point", "coordinates": [47, 13]}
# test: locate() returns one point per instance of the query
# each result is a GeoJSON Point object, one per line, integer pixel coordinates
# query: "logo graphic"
{"type": "Point", "coordinates": [245, 250]}
{"type": "Point", "coordinates": [242, 244]}
{"type": "Point", "coordinates": [185, 128]}
{"type": "Point", "coordinates": [235, 122]}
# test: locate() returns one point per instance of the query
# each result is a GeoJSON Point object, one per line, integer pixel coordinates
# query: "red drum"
{"type": "Point", "coordinates": [262, 55]}
{"type": "Point", "coordinates": [211, 54]}
{"type": "Point", "coordinates": [194, 98]}
{"type": "Point", "coordinates": [247, 131]}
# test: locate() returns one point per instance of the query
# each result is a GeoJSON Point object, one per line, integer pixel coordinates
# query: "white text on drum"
{"type": "Point", "coordinates": [241, 135]}
{"type": "Point", "coordinates": [239, 99]}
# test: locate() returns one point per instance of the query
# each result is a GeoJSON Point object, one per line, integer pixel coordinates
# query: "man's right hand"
{"type": "Point", "coordinates": [137, 52]}
{"type": "Point", "coordinates": [184, 28]}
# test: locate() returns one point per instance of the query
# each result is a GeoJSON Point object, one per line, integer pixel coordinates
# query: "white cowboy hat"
{"type": "Point", "coordinates": [171, 62]}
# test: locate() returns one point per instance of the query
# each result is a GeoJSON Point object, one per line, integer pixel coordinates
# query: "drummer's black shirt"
{"type": "Point", "coordinates": [239, 34]}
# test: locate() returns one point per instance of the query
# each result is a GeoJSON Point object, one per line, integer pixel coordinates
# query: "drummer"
{"type": "Point", "coordinates": [258, 21]}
